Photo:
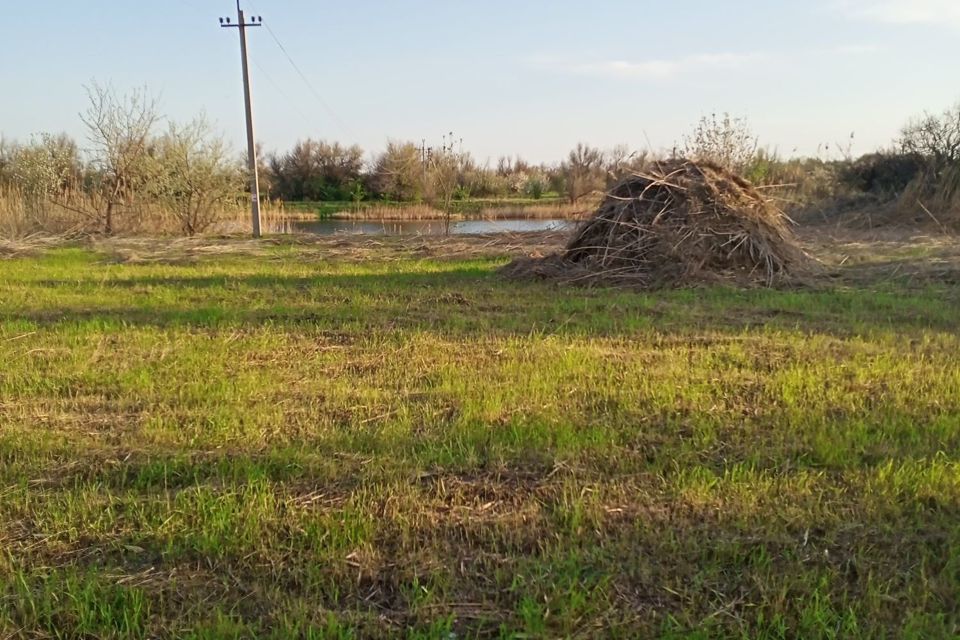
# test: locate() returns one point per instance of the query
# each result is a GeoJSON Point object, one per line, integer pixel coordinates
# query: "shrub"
{"type": "Point", "coordinates": [584, 172]}
{"type": "Point", "coordinates": [535, 187]}
{"type": "Point", "coordinates": [883, 173]}
{"type": "Point", "coordinates": [316, 170]}
{"type": "Point", "coordinates": [398, 173]}
{"type": "Point", "coordinates": [192, 176]}
{"type": "Point", "coordinates": [724, 140]}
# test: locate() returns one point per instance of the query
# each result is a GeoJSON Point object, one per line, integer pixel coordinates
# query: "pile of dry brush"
{"type": "Point", "coordinates": [682, 222]}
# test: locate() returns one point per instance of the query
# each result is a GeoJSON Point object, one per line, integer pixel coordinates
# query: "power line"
{"type": "Point", "coordinates": [276, 85]}
{"type": "Point", "coordinates": [323, 103]}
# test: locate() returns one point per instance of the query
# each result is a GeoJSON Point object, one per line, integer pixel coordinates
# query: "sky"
{"type": "Point", "coordinates": [510, 77]}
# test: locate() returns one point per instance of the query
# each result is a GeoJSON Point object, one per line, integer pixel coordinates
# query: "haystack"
{"type": "Point", "coordinates": [682, 222]}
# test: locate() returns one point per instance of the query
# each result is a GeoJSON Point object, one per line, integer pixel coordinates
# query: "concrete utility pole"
{"type": "Point", "coordinates": [242, 24]}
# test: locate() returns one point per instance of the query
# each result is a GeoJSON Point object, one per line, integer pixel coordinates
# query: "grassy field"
{"type": "Point", "coordinates": [324, 440]}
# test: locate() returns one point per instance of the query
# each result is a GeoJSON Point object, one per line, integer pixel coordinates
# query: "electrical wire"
{"type": "Point", "coordinates": [276, 85]}
{"type": "Point", "coordinates": [316, 94]}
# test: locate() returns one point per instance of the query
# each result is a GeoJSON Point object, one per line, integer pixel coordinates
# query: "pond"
{"type": "Point", "coordinates": [426, 227]}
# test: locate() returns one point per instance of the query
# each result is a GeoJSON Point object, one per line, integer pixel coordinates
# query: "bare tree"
{"type": "Point", "coordinates": [584, 172]}
{"type": "Point", "coordinates": [444, 170]}
{"type": "Point", "coordinates": [935, 138]}
{"type": "Point", "coordinates": [620, 162]}
{"type": "Point", "coordinates": [191, 174]}
{"type": "Point", "coordinates": [119, 130]}
{"type": "Point", "coordinates": [444, 175]}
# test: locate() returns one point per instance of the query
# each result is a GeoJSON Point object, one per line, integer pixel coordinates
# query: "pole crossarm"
{"type": "Point", "coordinates": [227, 24]}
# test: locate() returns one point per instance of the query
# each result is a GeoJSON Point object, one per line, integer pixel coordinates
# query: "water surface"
{"type": "Point", "coordinates": [427, 227]}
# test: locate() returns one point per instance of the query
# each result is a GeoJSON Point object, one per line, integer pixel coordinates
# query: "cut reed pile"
{"type": "Point", "coordinates": [683, 222]}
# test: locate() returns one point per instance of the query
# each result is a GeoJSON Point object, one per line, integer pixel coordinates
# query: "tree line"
{"type": "Point", "coordinates": [186, 169]}
{"type": "Point", "coordinates": [133, 157]}
{"type": "Point", "coordinates": [317, 170]}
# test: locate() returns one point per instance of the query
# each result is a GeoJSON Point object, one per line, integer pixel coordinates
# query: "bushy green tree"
{"type": "Point", "coordinates": [400, 172]}
{"type": "Point", "coordinates": [316, 170]}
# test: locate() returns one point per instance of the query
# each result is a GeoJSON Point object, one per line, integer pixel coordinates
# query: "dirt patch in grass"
{"type": "Point", "coordinates": [869, 257]}
{"type": "Point", "coordinates": [345, 248]}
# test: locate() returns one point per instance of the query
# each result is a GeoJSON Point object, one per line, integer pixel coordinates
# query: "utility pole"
{"type": "Point", "coordinates": [242, 24]}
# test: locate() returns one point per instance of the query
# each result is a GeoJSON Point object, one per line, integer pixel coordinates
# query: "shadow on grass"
{"type": "Point", "coordinates": [476, 300]}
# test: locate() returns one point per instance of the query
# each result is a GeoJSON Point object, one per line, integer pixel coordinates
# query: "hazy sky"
{"type": "Point", "coordinates": [529, 77]}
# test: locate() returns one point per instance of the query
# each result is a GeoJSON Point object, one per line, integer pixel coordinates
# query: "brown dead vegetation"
{"type": "Point", "coordinates": [682, 222]}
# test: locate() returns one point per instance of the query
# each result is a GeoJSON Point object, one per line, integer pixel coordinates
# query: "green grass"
{"type": "Point", "coordinates": [291, 445]}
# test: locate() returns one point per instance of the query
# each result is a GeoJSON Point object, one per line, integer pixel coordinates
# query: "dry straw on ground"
{"type": "Point", "coordinates": [682, 222]}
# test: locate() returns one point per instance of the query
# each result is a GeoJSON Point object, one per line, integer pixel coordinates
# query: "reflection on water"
{"type": "Point", "coordinates": [425, 227]}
